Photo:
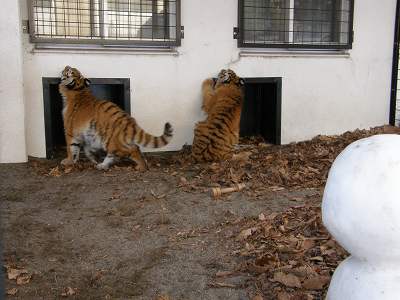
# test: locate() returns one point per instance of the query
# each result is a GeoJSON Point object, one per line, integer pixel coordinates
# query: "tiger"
{"type": "Point", "coordinates": [100, 125]}
{"type": "Point", "coordinates": [215, 137]}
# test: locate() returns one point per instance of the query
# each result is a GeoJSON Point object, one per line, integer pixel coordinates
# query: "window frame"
{"type": "Point", "coordinates": [238, 33]}
{"type": "Point", "coordinates": [104, 41]}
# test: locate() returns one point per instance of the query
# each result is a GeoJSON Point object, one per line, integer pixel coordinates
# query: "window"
{"type": "Point", "coordinates": [112, 22]}
{"type": "Point", "coordinates": [320, 24]}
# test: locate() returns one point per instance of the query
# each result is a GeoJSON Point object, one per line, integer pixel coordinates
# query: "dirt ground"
{"type": "Point", "coordinates": [121, 234]}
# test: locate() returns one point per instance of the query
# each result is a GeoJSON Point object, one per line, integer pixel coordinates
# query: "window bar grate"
{"type": "Point", "coordinates": [295, 23]}
{"type": "Point", "coordinates": [105, 22]}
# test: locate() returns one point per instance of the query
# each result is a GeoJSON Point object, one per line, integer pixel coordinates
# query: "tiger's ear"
{"type": "Point", "coordinates": [241, 81]}
{"type": "Point", "coordinates": [87, 82]}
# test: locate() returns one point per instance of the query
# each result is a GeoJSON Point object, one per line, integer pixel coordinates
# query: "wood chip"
{"type": "Point", "coordinates": [222, 285]}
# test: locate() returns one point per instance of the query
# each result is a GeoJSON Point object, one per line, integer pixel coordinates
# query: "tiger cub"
{"type": "Point", "coordinates": [222, 102]}
{"type": "Point", "coordinates": [99, 125]}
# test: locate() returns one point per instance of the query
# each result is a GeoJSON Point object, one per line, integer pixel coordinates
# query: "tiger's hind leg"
{"type": "Point", "coordinates": [108, 161]}
{"type": "Point", "coordinates": [90, 155]}
{"type": "Point", "coordinates": [137, 156]}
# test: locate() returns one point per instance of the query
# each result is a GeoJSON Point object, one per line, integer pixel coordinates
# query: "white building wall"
{"type": "Point", "coordinates": [12, 130]}
{"type": "Point", "coordinates": [321, 94]}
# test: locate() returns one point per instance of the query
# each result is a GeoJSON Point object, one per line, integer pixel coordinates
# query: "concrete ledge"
{"type": "Point", "coordinates": [294, 53]}
{"type": "Point", "coordinates": [103, 50]}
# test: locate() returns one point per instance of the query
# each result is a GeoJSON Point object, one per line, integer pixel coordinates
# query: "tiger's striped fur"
{"type": "Point", "coordinates": [215, 137]}
{"type": "Point", "coordinates": [99, 125]}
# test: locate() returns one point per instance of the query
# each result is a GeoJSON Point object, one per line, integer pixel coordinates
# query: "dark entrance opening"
{"type": "Point", "coordinates": [261, 111]}
{"type": "Point", "coordinates": [116, 90]}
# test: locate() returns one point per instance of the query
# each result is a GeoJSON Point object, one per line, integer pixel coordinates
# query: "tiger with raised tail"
{"type": "Point", "coordinates": [97, 125]}
{"type": "Point", "coordinates": [215, 137]}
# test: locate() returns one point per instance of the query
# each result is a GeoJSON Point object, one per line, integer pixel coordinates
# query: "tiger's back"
{"type": "Point", "coordinates": [215, 137]}
{"type": "Point", "coordinates": [113, 126]}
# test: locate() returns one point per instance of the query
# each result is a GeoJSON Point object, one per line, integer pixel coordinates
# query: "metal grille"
{"type": "Point", "coordinates": [394, 118]}
{"type": "Point", "coordinates": [116, 22]}
{"type": "Point", "coordinates": [296, 23]}
{"type": "Point", "coordinates": [397, 91]}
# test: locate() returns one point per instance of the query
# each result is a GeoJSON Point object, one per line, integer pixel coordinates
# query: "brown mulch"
{"type": "Point", "coordinates": [289, 255]}
{"type": "Point", "coordinates": [265, 167]}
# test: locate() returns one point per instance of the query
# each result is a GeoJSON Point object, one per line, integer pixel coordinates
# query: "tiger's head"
{"type": "Point", "coordinates": [229, 77]}
{"type": "Point", "coordinates": [72, 79]}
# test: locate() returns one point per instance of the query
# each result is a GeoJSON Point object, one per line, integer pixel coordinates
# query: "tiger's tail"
{"type": "Point", "coordinates": [145, 139]}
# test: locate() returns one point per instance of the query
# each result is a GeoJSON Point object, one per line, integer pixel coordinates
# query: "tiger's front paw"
{"type": "Point", "coordinates": [102, 166]}
{"type": "Point", "coordinates": [67, 162]}
{"type": "Point", "coordinates": [209, 82]}
{"type": "Point", "coordinates": [141, 166]}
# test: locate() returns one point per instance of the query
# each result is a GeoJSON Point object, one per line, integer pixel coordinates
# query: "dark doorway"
{"type": "Point", "coordinates": [261, 111]}
{"type": "Point", "coordinates": [116, 90]}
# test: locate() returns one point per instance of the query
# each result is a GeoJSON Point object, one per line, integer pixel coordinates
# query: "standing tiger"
{"type": "Point", "coordinates": [215, 137]}
{"type": "Point", "coordinates": [99, 125]}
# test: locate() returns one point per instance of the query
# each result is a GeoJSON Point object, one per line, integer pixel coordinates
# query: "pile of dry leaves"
{"type": "Point", "coordinates": [290, 255]}
{"type": "Point", "coordinates": [270, 167]}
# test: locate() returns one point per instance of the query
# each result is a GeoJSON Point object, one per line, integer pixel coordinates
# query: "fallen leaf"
{"type": "Point", "coordinates": [68, 170]}
{"type": "Point", "coordinates": [183, 181]}
{"type": "Point", "coordinates": [328, 252]}
{"type": "Point", "coordinates": [163, 297]}
{"type": "Point", "coordinates": [135, 227]}
{"type": "Point", "coordinates": [307, 244]}
{"type": "Point", "coordinates": [317, 258]}
{"type": "Point", "coordinates": [272, 216]}
{"type": "Point", "coordinates": [316, 283]}
{"type": "Point", "coordinates": [24, 279]}
{"type": "Point", "coordinates": [55, 172]}
{"type": "Point", "coordinates": [283, 296]}
{"type": "Point", "coordinates": [289, 280]}
{"type": "Point", "coordinates": [69, 291]}
{"type": "Point", "coordinates": [222, 285]}
{"type": "Point", "coordinates": [262, 217]}
{"type": "Point", "coordinates": [223, 273]}
{"type": "Point", "coordinates": [257, 297]}
{"type": "Point", "coordinates": [277, 188]}
{"type": "Point", "coordinates": [304, 271]}
{"type": "Point", "coordinates": [12, 291]}
{"type": "Point", "coordinates": [242, 156]}
{"type": "Point", "coordinates": [14, 273]}
{"type": "Point", "coordinates": [244, 234]}
{"type": "Point", "coordinates": [264, 145]}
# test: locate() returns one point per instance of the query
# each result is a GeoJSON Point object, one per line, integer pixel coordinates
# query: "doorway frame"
{"type": "Point", "coordinates": [278, 111]}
